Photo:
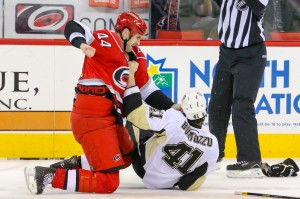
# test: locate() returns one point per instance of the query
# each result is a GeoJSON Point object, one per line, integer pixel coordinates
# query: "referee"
{"type": "Point", "coordinates": [242, 60]}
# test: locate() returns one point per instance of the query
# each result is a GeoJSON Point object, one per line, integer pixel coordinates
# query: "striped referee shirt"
{"type": "Point", "coordinates": [241, 22]}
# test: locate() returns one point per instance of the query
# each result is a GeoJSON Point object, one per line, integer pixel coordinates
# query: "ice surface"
{"type": "Point", "coordinates": [12, 185]}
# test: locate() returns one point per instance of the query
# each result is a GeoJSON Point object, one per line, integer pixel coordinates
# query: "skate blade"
{"type": "Point", "coordinates": [251, 173]}
{"type": "Point", "coordinates": [30, 179]}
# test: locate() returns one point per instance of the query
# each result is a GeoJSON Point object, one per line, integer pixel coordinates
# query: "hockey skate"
{"type": "Point", "coordinates": [244, 169]}
{"type": "Point", "coordinates": [70, 163]}
{"type": "Point", "coordinates": [38, 178]}
{"type": "Point", "coordinates": [217, 166]}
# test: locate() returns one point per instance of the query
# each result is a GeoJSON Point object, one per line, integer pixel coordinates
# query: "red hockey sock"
{"type": "Point", "coordinates": [98, 182]}
{"type": "Point", "coordinates": [59, 179]}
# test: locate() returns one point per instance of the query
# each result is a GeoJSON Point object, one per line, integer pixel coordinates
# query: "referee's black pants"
{"type": "Point", "coordinates": [235, 86]}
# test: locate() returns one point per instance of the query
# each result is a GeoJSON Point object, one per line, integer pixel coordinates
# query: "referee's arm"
{"type": "Point", "coordinates": [257, 6]}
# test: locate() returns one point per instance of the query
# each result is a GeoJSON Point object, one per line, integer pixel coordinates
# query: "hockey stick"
{"type": "Point", "coordinates": [262, 194]}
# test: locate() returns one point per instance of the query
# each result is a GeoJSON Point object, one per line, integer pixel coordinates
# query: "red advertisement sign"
{"type": "Point", "coordinates": [104, 3]}
{"type": "Point", "coordinates": [139, 3]}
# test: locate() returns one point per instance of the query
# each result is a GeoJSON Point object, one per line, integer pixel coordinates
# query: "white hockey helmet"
{"type": "Point", "coordinates": [193, 105]}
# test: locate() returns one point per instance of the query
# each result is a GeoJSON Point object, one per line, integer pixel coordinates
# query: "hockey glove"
{"type": "Point", "coordinates": [284, 169]}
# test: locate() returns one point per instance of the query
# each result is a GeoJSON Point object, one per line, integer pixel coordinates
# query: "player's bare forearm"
{"type": "Point", "coordinates": [89, 51]}
{"type": "Point", "coordinates": [177, 107]}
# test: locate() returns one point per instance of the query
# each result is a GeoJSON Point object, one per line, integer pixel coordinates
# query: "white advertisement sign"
{"type": "Point", "coordinates": [47, 19]}
{"type": "Point", "coordinates": [42, 78]}
{"type": "Point", "coordinates": [38, 78]}
{"type": "Point", "coordinates": [278, 100]}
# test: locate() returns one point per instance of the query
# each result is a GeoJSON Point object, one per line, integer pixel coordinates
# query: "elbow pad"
{"type": "Point", "coordinates": [159, 100]}
{"type": "Point", "coordinates": [74, 33]}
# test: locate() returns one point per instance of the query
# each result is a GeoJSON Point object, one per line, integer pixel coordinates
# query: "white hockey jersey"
{"type": "Point", "coordinates": [174, 150]}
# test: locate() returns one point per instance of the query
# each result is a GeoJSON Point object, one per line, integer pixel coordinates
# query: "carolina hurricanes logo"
{"type": "Point", "coordinates": [39, 18]}
{"type": "Point", "coordinates": [117, 157]}
{"type": "Point", "coordinates": [120, 77]}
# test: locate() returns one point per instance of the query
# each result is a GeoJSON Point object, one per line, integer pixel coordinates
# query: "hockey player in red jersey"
{"type": "Point", "coordinates": [97, 112]}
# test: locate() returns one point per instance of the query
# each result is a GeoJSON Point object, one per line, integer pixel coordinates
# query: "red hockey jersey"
{"type": "Point", "coordinates": [109, 66]}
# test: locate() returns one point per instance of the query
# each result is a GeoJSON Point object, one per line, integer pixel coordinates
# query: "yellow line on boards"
{"type": "Point", "coordinates": [271, 145]}
{"type": "Point", "coordinates": [62, 144]}
{"type": "Point", "coordinates": [38, 145]}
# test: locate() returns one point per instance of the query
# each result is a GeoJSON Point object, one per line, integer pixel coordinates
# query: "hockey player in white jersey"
{"type": "Point", "coordinates": [176, 151]}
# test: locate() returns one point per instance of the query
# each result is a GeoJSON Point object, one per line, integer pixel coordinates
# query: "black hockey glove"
{"type": "Point", "coordinates": [284, 169]}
